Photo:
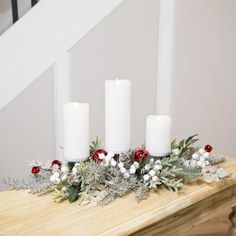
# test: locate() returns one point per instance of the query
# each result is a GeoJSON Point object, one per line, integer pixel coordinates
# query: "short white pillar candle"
{"type": "Point", "coordinates": [158, 135]}
{"type": "Point", "coordinates": [117, 115]}
{"type": "Point", "coordinates": [76, 131]}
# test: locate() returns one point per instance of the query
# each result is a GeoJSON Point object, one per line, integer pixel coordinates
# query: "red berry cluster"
{"type": "Point", "coordinates": [208, 148]}
{"type": "Point", "coordinates": [140, 155]}
{"type": "Point", "coordinates": [36, 169]}
{"type": "Point", "coordinates": [95, 155]}
{"type": "Point", "coordinates": [56, 162]}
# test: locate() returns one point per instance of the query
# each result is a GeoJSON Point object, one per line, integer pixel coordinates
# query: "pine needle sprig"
{"type": "Point", "coordinates": [34, 184]}
{"type": "Point", "coordinates": [95, 145]}
{"type": "Point", "coordinates": [142, 192]}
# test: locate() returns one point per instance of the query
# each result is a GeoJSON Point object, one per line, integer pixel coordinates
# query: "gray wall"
{"type": "Point", "coordinates": [27, 128]}
{"type": "Point", "coordinates": [204, 72]}
{"type": "Point", "coordinates": [124, 45]}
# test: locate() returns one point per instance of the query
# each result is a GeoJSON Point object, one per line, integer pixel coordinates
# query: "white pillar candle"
{"type": "Point", "coordinates": [117, 115]}
{"type": "Point", "coordinates": [158, 135]}
{"type": "Point", "coordinates": [76, 131]}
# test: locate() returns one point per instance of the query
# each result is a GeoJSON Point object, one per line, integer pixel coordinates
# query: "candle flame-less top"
{"type": "Point", "coordinates": [119, 82]}
{"type": "Point", "coordinates": [72, 105]}
{"type": "Point", "coordinates": [159, 117]}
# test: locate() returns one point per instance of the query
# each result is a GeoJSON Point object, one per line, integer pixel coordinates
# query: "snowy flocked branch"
{"type": "Point", "coordinates": [106, 176]}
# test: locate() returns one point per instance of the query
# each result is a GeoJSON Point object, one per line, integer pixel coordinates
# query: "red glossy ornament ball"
{"type": "Point", "coordinates": [141, 154]}
{"type": "Point", "coordinates": [208, 148]}
{"type": "Point", "coordinates": [95, 155]}
{"type": "Point", "coordinates": [56, 162]}
{"type": "Point", "coordinates": [35, 170]}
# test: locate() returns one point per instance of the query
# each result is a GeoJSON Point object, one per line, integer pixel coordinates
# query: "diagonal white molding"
{"type": "Point", "coordinates": [41, 36]}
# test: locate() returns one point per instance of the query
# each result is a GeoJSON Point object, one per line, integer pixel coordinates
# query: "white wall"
{"type": "Point", "coordinates": [27, 128]}
{"type": "Point", "coordinates": [204, 72]}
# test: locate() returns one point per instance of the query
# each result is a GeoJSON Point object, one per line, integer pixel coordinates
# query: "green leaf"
{"type": "Point", "coordinates": [73, 192]}
{"type": "Point", "coordinates": [189, 174]}
{"type": "Point", "coordinates": [191, 137]}
{"type": "Point", "coordinates": [174, 144]}
{"type": "Point", "coordinates": [182, 143]}
{"type": "Point", "coordinates": [191, 142]}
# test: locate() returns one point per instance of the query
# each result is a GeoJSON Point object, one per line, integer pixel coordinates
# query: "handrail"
{"type": "Point", "coordinates": [33, 2]}
{"type": "Point", "coordinates": [14, 7]}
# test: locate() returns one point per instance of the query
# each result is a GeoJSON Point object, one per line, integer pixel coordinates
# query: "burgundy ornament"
{"type": "Point", "coordinates": [208, 148]}
{"type": "Point", "coordinates": [141, 154]}
{"type": "Point", "coordinates": [95, 155]}
{"type": "Point", "coordinates": [56, 162]}
{"type": "Point", "coordinates": [35, 170]}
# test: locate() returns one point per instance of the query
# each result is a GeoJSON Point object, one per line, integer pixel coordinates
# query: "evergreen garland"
{"type": "Point", "coordinates": [102, 182]}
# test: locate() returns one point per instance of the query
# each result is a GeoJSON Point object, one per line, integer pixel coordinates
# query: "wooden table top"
{"type": "Point", "coordinates": [24, 214]}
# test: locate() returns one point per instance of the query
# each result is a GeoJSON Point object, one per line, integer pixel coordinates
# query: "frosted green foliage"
{"type": "Point", "coordinates": [99, 183]}
{"type": "Point", "coordinates": [35, 184]}
{"type": "Point", "coordinates": [215, 160]}
{"type": "Point", "coordinates": [117, 187]}
{"type": "Point", "coordinates": [142, 192]}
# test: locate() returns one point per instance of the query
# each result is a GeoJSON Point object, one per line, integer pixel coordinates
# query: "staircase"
{"type": "Point", "coordinates": [38, 39]}
{"type": "Point", "coordinates": [14, 8]}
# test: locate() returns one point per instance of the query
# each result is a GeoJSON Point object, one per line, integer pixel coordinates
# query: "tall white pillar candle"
{"type": "Point", "coordinates": [158, 135]}
{"type": "Point", "coordinates": [76, 131]}
{"type": "Point", "coordinates": [117, 115]}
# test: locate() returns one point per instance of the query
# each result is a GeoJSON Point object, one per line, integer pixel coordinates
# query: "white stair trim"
{"type": "Point", "coordinates": [41, 36]}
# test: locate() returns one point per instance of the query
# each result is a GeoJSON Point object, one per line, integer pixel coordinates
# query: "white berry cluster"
{"type": "Point", "coordinates": [152, 169]}
{"type": "Point", "coordinates": [59, 174]}
{"type": "Point", "coordinates": [199, 159]}
{"type": "Point", "coordinates": [130, 171]}
{"type": "Point", "coordinates": [107, 160]}
{"type": "Point", "coordinates": [176, 151]}
{"type": "Point", "coordinates": [75, 170]}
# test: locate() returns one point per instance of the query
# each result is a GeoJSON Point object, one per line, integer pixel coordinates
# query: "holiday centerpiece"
{"type": "Point", "coordinates": [91, 174]}
{"type": "Point", "coordinates": [106, 176]}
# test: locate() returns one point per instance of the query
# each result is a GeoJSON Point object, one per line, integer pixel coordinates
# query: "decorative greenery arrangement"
{"type": "Point", "coordinates": [106, 176]}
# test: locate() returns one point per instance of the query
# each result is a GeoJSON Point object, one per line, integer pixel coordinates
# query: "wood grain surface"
{"type": "Point", "coordinates": [163, 213]}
